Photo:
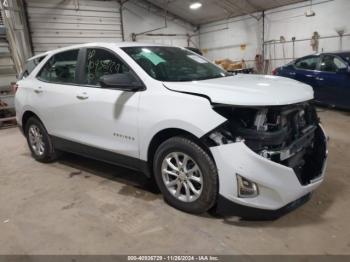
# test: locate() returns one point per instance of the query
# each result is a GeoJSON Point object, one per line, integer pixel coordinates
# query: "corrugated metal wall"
{"type": "Point", "coordinates": [1, 21]}
{"type": "Point", "coordinates": [7, 72]}
{"type": "Point", "coordinates": [59, 23]}
{"type": "Point", "coordinates": [7, 66]}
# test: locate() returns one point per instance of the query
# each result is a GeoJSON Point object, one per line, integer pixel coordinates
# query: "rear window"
{"type": "Point", "coordinates": [30, 66]}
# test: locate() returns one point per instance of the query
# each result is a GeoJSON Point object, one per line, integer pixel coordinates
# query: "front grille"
{"type": "Point", "coordinates": [303, 147]}
{"type": "Point", "coordinates": [289, 135]}
{"type": "Point", "coordinates": [308, 163]}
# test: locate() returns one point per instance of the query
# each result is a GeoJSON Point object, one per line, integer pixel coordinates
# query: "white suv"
{"type": "Point", "coordinates": [249, 145]}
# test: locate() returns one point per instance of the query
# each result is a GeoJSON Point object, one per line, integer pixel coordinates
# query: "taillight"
{"type": "Point", "coordinates": [274, 71]}
{"type": "Point", "coordinates": [14, 87]}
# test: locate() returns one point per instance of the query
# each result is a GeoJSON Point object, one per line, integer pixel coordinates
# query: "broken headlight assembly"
{"type": "Point", "coordinates": [289, 135]}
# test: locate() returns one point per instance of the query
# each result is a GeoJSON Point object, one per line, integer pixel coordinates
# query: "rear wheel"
{"type": "Point", "coordinates": [39, 141]}
{"type": "Point", "coordinates": [186, 175]}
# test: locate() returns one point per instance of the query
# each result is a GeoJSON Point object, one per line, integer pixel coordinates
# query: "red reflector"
{"type": "Point", "coordinates": [14, 87]}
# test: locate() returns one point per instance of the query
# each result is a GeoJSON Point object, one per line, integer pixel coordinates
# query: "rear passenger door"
{"type": "Point", "coordinates": [52, 93]}
{"type": "Point", "coordinates": [105, 118]}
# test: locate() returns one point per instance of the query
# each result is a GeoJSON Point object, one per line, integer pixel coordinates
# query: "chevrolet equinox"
{"type": "Point", "coordinates": [251, 144]}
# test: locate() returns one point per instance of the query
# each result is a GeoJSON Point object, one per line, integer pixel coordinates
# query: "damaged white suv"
{"type": "Point", "coordinates": [248, 145]}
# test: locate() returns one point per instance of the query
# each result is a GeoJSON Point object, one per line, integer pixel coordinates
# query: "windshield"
{"type": "Point", "coordinates": [173, 64]}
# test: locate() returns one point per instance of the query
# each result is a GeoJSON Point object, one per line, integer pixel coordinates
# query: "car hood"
{"type": "Point", "coordinates": [247, 90]}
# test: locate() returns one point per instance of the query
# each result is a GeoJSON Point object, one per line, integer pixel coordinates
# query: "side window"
{"type": "Point", "coordinates": [100, 62]}
{"type": "Point", "coordinates": [30, 66]}
{"type": "Point", "coordinates": [331, 63]}
{"type": "Point", "coordinates": [309, 63]}
{"type": "Point", "coordinates": [60, 68]}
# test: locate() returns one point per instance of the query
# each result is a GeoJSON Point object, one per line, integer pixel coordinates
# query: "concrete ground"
{"type": "Point", "coordinates": [80, 206]}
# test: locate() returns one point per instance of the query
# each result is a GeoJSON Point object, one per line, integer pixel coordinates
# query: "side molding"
{"type": "Point", "coordinates": [101, 155]}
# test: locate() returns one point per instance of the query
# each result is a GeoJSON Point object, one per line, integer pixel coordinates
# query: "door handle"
{"type": "Point", "coordinates": [310, 76]}
{"type": "Point", "coordinates": [292, 73]}
{"type": "Point", "coordinates": [82, 96]}
{"type": "Point", "coordinates": [319, 78]}
{"type": "Point", "coordinates": [38, 90]}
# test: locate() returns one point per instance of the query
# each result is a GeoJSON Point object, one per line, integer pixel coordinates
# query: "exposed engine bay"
{"type": "Point", "coordinates": [289, 135]}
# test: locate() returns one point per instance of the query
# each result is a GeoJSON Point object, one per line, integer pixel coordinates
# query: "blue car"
{"type": "Point", "coordinates": [327, 73]}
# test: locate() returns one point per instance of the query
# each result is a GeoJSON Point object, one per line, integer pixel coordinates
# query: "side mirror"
{"type": "Point", "coordinates": [122, 81]}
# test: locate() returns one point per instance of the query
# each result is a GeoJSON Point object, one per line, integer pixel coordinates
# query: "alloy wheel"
{"type": "Point", "coordinates": [36, 140]}
{"type": "Point", "coordinates": [182, 176]}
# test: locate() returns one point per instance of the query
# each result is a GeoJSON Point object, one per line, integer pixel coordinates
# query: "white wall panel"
{"type": "Point", "coordinates": [58, 23]}
{"type": "Point", "coordinates": [292, 22]}
{"type": "Point", "coordinates": [288, 21]}
{"type": "Point", "coordinates": [138, 19]}
{"type": "Point", "coordinates": [223, 39]}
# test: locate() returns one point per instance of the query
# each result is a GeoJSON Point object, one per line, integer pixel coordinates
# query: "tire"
{"type": "Point", "coordinates": [47, 153]}
{"type": "Point", "coordinates": [194, 167]}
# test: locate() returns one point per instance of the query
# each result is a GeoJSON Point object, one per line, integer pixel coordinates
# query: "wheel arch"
{"type": "Point", "coordinates": [167, 133]}
{"type": "Point", "coordinates": [26, 115]}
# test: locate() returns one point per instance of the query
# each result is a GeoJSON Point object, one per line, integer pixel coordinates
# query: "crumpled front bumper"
{"type": "Point", "coordinates": [278, 184]}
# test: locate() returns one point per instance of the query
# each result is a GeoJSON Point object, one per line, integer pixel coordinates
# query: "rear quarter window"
{"type": "Point", "coordinates": [30, 66]}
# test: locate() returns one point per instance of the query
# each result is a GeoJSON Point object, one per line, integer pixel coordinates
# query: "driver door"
{"type": "Point", "coordinates": [106, 118]}
{"type": "Point", "coordinates": [334, 79]}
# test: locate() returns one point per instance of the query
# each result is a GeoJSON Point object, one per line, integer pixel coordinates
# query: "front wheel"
{"type": "Point", "coordinates": [186, 175]}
